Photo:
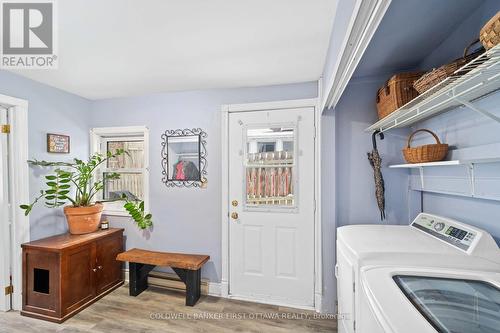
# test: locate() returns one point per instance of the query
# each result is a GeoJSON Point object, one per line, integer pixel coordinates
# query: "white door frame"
{"type": "Point", "coordinates": [288, 104]}
{"type": "Point", "coordinates": [19, 188]}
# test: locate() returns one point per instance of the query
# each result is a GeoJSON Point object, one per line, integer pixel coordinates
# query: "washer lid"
{"type": "Point", "coordinates": [428, 234]}
{"type": "Point", "coordinates": [370, 239]}
{"type": "Point", "coordinates": [425, 300]}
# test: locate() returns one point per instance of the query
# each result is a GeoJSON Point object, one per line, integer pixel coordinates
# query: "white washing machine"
{"type": "Point", "coordinates": [398, 278]}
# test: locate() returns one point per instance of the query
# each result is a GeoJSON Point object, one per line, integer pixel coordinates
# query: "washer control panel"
{"type": "Point", "coordinates": [449, 231]}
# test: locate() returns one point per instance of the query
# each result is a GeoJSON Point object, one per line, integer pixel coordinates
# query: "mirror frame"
{"type": "Point", "coordinates": [203, 157]}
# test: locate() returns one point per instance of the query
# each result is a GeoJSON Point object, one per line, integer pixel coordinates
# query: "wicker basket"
{"type": "Point", "coordinates": [437, 75]}
{"type": "Point", "coordinates": [490, 33]}
{"type": "Point", "coordinates": [426, 153]}
{"type": "Point", "coordinates": [396, 92]}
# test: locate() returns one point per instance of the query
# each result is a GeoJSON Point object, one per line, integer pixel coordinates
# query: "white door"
{"type": "Point", "coordinates": [271, 192]}
{"type": "Point", "coordinates": [4, 216]}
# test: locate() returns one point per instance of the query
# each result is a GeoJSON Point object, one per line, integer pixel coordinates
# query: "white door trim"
{"type": "Point", "coordinates": [288, 104]}
{"type": "Point", "coordinates": [19, 187]}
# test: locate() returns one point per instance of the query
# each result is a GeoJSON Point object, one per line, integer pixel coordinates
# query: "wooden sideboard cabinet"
{"type": "Point", "coordinates": [65, 273]}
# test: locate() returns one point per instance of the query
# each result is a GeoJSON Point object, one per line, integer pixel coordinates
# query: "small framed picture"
{"type": "Point", "coordinates": [57, 143]}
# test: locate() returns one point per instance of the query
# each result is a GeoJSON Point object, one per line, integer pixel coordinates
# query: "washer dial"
{"type": "Point", "coordinates": [439, 226]}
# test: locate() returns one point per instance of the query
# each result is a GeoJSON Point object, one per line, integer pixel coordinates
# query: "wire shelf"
{"type": "Point", "coordinates": [476, 79]}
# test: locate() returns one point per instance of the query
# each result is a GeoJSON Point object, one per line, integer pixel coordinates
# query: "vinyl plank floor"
{"type": "Point", "coordinates": [158, 310]}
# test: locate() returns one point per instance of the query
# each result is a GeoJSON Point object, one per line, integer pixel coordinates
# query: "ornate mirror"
{"type": "Point", "coordinates": [184, 157]}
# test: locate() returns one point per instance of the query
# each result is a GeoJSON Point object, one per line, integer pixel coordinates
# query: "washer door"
{"type": "Point", "coordinates": [454, 305]}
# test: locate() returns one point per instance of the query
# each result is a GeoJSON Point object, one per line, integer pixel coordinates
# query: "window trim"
{"type": "Point", "coordinates": [97, 135]}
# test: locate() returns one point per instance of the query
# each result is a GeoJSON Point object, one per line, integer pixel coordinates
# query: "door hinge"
{"type": "Point", "coordinates": [354, 325]}
{"type": "Point", "coordinates": [9, 290]}
{"type": "Point", "coordinates": [5, 129]}
{"type": "Point", "coordinates": [354, 287]}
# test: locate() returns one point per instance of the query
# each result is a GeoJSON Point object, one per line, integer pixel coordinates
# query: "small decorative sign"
{"type": "Point", "coordinates": [57, 143]}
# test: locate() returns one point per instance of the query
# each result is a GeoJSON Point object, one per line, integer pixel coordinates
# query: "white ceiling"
{"type": "Point", "coordinates": [113, 48]}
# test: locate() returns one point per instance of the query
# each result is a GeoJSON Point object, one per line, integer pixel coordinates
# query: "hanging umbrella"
{"type": "Point", "coordinates": [376, 163]}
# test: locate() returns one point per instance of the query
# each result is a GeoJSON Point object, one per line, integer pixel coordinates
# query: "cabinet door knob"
{"type": "Point", "coordinates": [234, 215]}
{"type": "Point", "coordinates": [99, 267]}
{"type": "Point", "coordinates": [94, 269]}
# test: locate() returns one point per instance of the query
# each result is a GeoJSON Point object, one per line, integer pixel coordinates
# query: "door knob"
{"type": "Point", "coordinates": [234, 215]}
{"type": "Point", "coordinates": [234, 203]}
{"type": "Point", "coordinates": [99, 267]}
{"type": "Point", "coordinates": [94, 269]}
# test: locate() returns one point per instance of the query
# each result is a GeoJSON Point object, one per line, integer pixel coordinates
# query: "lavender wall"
{"type": "Point", "coordinates": [464, 128]}
{"type": "Point", "coordinates": [328, 209]}
{"type": "Point", "coordinates": [50, 111]}
{"type": "Point", "coordinates": [186, 219]}
{"type": "Point", "coordinates": [461, 128]}
{"type": "Point", "coordinates": [355, 198]}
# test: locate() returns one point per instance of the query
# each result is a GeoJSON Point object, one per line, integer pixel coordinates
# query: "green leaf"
{"type": "Point", "coordinates": [50, 177]}
{"type": "Point", "coordinates": [24, 206]}
{"type": "Point", "coordinates": [51, 184]}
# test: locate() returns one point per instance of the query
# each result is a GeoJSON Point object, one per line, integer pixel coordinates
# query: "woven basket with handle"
{"type": "Point", "coordinates": [490, 33]}
{"type": "Point", "coordinates": [437, 75]}
{"type": "Point", "coordinates": [396, 92]}
{"type": "Point", "coordinates": [426, 153]}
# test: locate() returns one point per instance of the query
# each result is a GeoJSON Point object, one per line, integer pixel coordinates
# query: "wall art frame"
{"type": "Point", "coordinates": [58, 143]}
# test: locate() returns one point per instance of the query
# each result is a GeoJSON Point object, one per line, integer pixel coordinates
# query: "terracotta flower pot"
{"type": "Point", "coordinates": [83, 220]}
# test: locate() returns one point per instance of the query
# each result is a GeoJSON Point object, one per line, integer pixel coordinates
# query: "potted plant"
{"type": "Point", "coordinates": [74, 183]}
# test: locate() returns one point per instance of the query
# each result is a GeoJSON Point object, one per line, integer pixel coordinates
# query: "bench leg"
{"type": "Point", "coordinates": [138, 276]}
{"type": "Point", "coordinates": [192, 280]}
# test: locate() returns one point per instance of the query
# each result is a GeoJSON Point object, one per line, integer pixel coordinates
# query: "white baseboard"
{"type": "Point", "coordinates": [214, 289]}
{"type": "Point", "coordinates": [172, 281]}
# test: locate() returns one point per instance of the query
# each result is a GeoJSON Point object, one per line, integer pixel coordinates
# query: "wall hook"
{"type": "Point", "coordinates": [374, 140]}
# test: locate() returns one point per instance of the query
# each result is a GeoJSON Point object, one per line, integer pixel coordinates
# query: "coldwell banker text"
{"type": "Point", "coordinates": [28, 35]}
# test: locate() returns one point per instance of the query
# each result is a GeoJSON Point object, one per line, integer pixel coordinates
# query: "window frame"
{"type": "Point", "coordinates": [99, 137]}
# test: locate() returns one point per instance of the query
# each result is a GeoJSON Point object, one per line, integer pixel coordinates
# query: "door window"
{"type": "Point", "coordinates": [270, 168]}
{"type": "Point", "coordinates": [453, 305]}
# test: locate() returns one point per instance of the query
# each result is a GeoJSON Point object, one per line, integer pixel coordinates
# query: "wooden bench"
{"type": "Point", "coordinates": [186, 266]}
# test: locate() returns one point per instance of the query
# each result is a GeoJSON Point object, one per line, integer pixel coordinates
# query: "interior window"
{"type": "Point", "coordinates": [129, 166]}
{"type": "Point", "coordinates": [132, 167]}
